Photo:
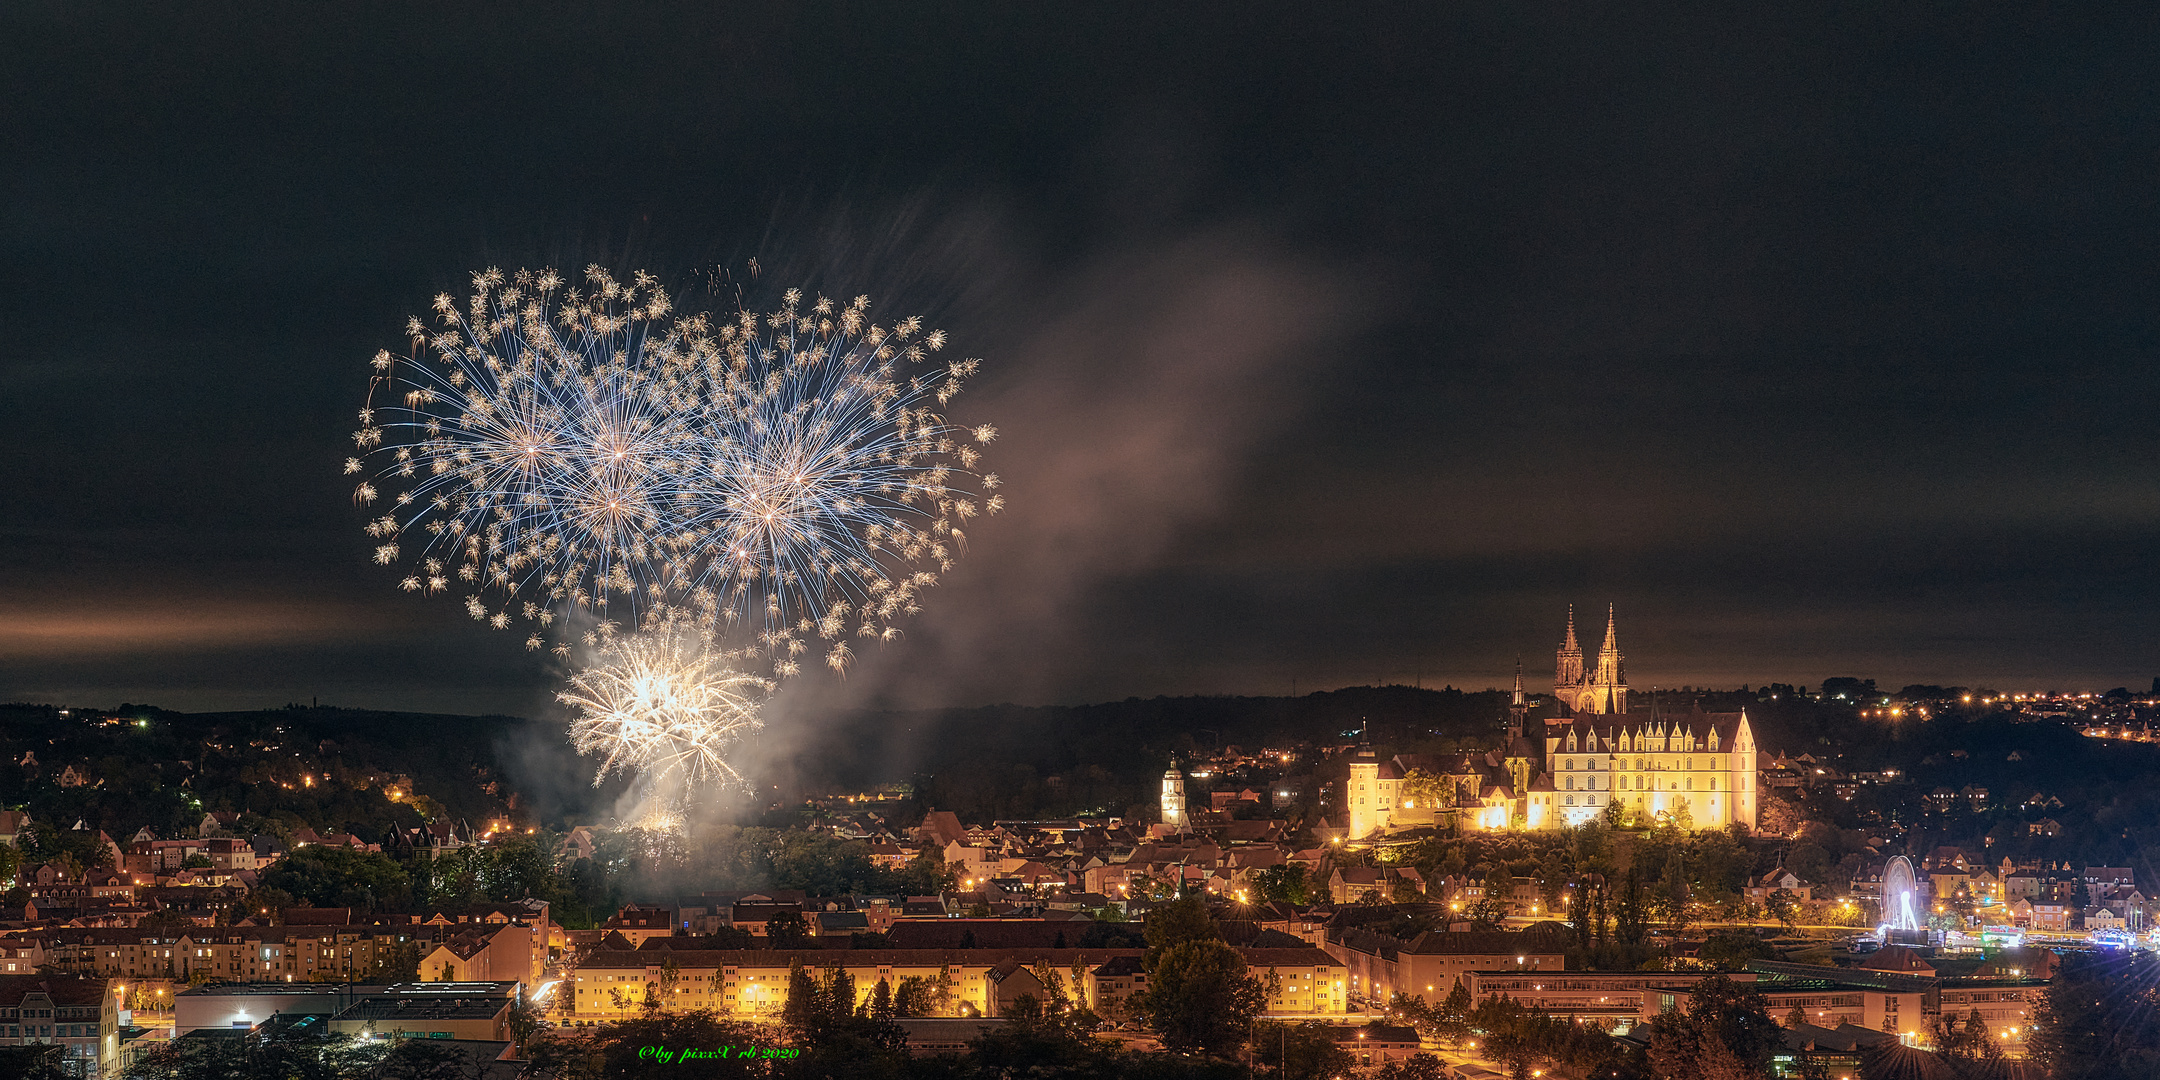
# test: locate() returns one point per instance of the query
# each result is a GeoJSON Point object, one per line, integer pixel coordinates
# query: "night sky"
{"type": "Point", "coordinates": [1332, 344]}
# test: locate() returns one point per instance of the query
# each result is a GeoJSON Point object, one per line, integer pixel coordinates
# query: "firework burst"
{"type": "Point", "coordinates": [662, 703]}
{"type": "Point", "coordinates": [829, 497]}
{"type": "Point", "coordinates": [777, 477]}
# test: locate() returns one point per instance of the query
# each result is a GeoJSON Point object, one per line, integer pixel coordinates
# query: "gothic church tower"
{"type": "Point", "coordinates": [1599, 692]}
{"type": "Point", "coordinates": [1567, 670]}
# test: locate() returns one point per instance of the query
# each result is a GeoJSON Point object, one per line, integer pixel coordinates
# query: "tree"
{"type": "Point", "coordinates": [610, 1052]}
{"type": "Point", "coordinates": [670, 978]}
{"type": "Point", "coordinates": [1423, 790]}
{"type": "Point", "coordinates": [1630, 919]}
{"type": "Point", "coordinates": [787, 930]}
{"type": "Point", "coordinates": [918, 996]}
{"type": "Point", "coordinates": [804, 1010]}
{"type": "Point", "coordinates": [1300, 1051]}
{"type": "Point", "coordinates": [398, 963]}
{"type": "Point", "coordinates": [1968, 1048]}
{"type": "Point", "coordinates": [1182, 920]}
{"type": "Point", "coordinates": [1778, 817]}
{"type": "Point", "coordinates": [524, 1019]}
{"type": "Point", "coordinates": [1452, 1018]}
{"type": "Point", "coordinates": [1032, 1042]}
{"type": "Point", "coordinates": [36, 1063]}
{"type": "Point", "coordinates": [1781, 906]}
{"type": "Point", "coordinates": [1285, 882]}
{"type": "Point", "coordinates": [2097, 1019]}
{"type": "Point", "coordinates": [1490, 910]}
{"type": "Point", "coordinates": [1731, 951]}
{"type": "Point", "coordinates": [340, 877]}
{"type": "Point", "coordinates": [1725, 1034]}
{"type": "Point", "coordinates": [301, 1054]}
{"type": "Point", "coordinates": [1418, 1066]}
{"type": "Point", "coordinates": [1578, 913]}
{"type": "Point", "coordinates": [1200, 997]}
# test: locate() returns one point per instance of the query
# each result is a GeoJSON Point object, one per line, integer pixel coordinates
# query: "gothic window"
{"type": "Point", "coordinates": [1571, 800]}
{"type": "Point", "coordinates": [1571, 785]}
{"type": "Point", "coordinates": [1713, 783]}
{"type": "Point", "coordinates": [1691, 783]}
{"type": "Point", "coordinates": [1638, 764]}
{"type": "Point", "coordinates": [1568, 765]}
{"type": "Point", "coordinates": [1590, 782]}
{"type": "Point", "coordinates": [1690, 765]}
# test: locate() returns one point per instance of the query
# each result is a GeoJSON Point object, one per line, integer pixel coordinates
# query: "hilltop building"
{"type": "Point", "coordinates": [1697, 767]}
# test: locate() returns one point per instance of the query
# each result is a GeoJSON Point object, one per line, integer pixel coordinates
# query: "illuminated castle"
{"type": "Point", "coordinates": [1695, 766]}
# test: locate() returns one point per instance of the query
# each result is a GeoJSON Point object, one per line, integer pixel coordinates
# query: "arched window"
{"type": "Point", "coordinates": [1689, 764]}
{"type": "Point", "coordinates": [1571, 783]}
{"type": "Point", "coordinates": [1568, 765]}
{"type": "Point", "coordinates": [1691, 783]}
{"type": "Point", "coordinates": [1590, 782]}
{"type": "Point", "coordinates": [1638, 764]}
{"type": "Point", "coordinates": [1713, 783]}
{"type": "Point", "coordinates": [1571, 800]}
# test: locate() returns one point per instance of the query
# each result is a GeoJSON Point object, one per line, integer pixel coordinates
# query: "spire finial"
{"type": "Point", "coordinates": [1569, 645]}
{"type": "Point", "coordinates": [1518, 681]}
{"type": "Point", "coordinates": [1612, 637]}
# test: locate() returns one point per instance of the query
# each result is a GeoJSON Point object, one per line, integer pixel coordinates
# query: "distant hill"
{"type": "Point", "coordinates": [321, 767]}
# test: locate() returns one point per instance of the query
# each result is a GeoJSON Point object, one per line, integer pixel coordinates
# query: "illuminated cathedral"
{"type": "Point", "coordinates": [1599, 692]}
{"type": "Point", "coordinates": [1695, 768]}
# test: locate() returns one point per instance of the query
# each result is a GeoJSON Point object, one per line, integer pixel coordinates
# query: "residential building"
{"type": "Point", "coordinates": [753, 982]}
{"type": "Point", "coordinates": [82, 1015]}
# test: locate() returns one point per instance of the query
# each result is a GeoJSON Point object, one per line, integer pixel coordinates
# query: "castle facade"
{"type": "Point", "coordinates": [1695, 767]}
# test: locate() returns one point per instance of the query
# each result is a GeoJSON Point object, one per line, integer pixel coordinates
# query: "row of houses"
{"type": "Point", "coordinates": [610, 984]}
{"type": "Point", "coordinates": [490, 942]}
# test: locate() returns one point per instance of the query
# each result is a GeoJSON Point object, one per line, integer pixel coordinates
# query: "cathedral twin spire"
{"type": "Point", "coordinates": [1602, 691]}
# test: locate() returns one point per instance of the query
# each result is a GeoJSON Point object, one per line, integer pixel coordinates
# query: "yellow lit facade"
{"type": "Point", "coordinates": [1696, 763]}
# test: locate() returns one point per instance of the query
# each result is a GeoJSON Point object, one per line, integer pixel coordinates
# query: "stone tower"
{"type": "Point", "coordinates": [1610, 682]}
{"type": "Point", "coordinates": [1567, 670]}
{"type": "Point", "coordinates": [1173, 797]}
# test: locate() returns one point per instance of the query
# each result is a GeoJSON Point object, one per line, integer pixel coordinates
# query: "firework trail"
{"type": "Point", "coordinates": [663, 703]}
{"type": "Point", "coordinates": [772, 478]}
